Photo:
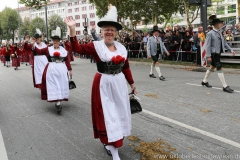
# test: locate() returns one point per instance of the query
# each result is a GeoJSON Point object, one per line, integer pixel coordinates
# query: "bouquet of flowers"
{"type": "Point", "coordinates": [56, 54]}
{"type": "Point", "coordinates": [201, 37]}
{"type": "Point", "coordinates": [118, 59]}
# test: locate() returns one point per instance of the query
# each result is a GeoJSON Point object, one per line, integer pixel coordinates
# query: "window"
{"type": "Point", "coordinates": [76, 9]}
{"type": "Point", "coordinates": [92, 15]}
{"type": "Point", "coordinates": [76, 3]}
{"type": "Point", "coordinates": [77, 17]}
{"type": "Point", "coordinates": [69, 10]}
{"type": "Point", "coordinates": [77, 24]}
{"type": "Point", "coordinates": [84, 1]}
{"type": "Point", "coordinates": [91, 7]}
{"type": "Point", "coordinates": [92, 23]}
{"type": "Point", "coordinates": [84, 15]}
{"type": "Point", "coordinates": [221, 10]}
{"type": "Point", "coordinates": [78, 32]}
{"type": "Point", "coordinates": [69, 4]}
{"type": "Point", "coordinates": [84, 8]}
{"type": "Point", "coordinates": [232, 8]}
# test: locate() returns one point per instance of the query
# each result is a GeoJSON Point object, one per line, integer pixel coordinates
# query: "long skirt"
{"type": "Point", "coordinates": [98, 120]}
{"type": "Point", "coordinates": [39, 64]}
{"type": "Point", "coordinates": [3, 59]}
{"type": "Point", "coordinates": [30, 59]}
{"type": "Point", "coordinates": [55, 86]}
{"type": "Point", "coordinates": [25, 57]}
{"type": "Point", "coordinates": [15, 62]}
{"type": "Point", "coordinates": [7, 58]}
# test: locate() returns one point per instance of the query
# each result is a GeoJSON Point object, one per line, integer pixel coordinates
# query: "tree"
{"type": "Point", "coordinates": [9, 22]}
{"type": "Point", "coordinates": [37, 23]}
{"type": "Point", "coordinates": [34, 3]}
{"type": "Point", "coordinates": [191, 12]}
{"type": "Point", "coordinates": [56, 21]}
{"type": "Point", "coordinates": [25, 27]}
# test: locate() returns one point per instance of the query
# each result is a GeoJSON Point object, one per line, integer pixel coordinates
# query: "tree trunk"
{"type": "Point", "coordinates": [186, 6]}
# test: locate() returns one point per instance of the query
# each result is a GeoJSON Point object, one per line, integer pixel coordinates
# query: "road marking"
{"type": "Point", "coordinates": [3, 152]}
{"type": "Point", "coordinates": [208, 134]}
{"type": "Point", "coordinates": [212, 87]}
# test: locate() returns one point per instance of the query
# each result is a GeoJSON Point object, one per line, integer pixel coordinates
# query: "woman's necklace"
{"type": "Point", "coordinates": [109, 44]}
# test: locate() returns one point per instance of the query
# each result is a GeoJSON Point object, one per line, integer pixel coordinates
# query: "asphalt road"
{"type": "Point", "coordinates": [200, 123]}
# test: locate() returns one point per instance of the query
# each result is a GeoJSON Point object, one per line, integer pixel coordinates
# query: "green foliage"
{"type": "Point", "coordinates": [25, 27]}
{"type": "Point", "coordinates": [9, 23]}
{"type": "Point", "coordinates": [145, 29]}
{"type": "Point", "coordinates": [37, 23]}
{"type": "Point", "coordinates": [34, 3]}
{"type": "Point", "coordinates": [56, 21]}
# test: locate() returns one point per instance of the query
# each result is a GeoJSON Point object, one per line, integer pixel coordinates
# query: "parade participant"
{"type": "Point", "coordinates": [214, 46]}
{"type": "Point", "coordinates": [55, 87]}
{"type": "Point", "coordinates": [1, 55]}
{"type": "Point", "coordinates": [155, 47]}
{"type": "Point", "coordinates": [111, 116]}
{"type": "Point", "coordinates": [7, 51]}
{"type": "Point", "coordinates": [68, 47]}
{"type": "Point", "coordinates": [39, 61]}
{"type": "Point", "coordinates": [25, 55]}
{"type": "Point", "coordinates": [15, 57]}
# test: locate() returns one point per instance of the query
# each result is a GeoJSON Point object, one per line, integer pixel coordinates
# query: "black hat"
{"type": "Point", "coordinates": [155, 28]}
{"type": "Point", "coordinates": [215, 21]}
{"type": "Point", "coordinates": [37, 35]}
{"type": "Point", "coordinates": [56, 37]}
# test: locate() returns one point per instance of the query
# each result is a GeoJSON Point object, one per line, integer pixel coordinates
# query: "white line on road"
{"type": "Point", "coordinates": [3, 152]}
{"type": "Point", "coordinates": [212, 87]}
{"type": "Point", "coordinates": [211, 135]}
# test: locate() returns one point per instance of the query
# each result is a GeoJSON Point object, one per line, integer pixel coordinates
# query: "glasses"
{"type": "Point", "coordinates": [109, 30]}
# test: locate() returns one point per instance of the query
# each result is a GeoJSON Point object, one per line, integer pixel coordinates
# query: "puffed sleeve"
{"type": "Point", "coordinates": [85, 49]}
{"type": "Point", "coordinates": [43, 51]}
{"type": "Point", "coordinates": [27, 46]}
{"type": "Point", "coordinates": [127, 72]}
{"type": "Point", "coordinates": [67, 62]}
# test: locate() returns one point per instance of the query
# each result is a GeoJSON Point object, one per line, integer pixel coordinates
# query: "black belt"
{"type": "Point", "coordinates": [109, 67]}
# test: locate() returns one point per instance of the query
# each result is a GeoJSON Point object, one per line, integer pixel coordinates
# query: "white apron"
{"type": "Point", "coordinates": [40, 61]}
{"type": "Point", "coordinates": [114, 95]}
{"type": "Point", "coordinates": [57, 77]}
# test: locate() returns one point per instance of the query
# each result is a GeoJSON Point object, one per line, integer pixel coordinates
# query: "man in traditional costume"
{"type": "Point", "coordinates": [111, 115]}
{"type": "Point", "coordinates": [155, 48]}
{"type": "Point", "coordinates": [39, 61]}
{"type": "Point", "coordinates": [214, 46]}
{"type": "Point", "coordinates": [55, 81]}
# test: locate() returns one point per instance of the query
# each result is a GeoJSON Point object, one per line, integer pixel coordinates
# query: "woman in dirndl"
{"type": "Point", "coordinates": [111, 114]}
{"type": "Point", "coordinates": [15, 57]}
{"type": "Point", "coordinates": [39, 61]}
{"type": "Point", "coordinates": [55, 79]}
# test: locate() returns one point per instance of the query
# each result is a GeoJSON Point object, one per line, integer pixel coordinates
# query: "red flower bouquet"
{"type": "Point", "coordinates": [118, 59]}
{"type": "Point", "coordinates": [56, 54]}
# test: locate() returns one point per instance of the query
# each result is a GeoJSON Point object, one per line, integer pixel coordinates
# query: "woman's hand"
{"type": "Point", "coordinates": [70, 73]}
{"type": "Point", "coordinates": [27, 38]}
{"type": "Point", "coordinates": [133, 89]}
{"type": "Point", "coordinates": [70, 22]}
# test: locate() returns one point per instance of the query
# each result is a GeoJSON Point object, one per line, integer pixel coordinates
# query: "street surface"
{"type": "Point", "coordinates": [201, 123]}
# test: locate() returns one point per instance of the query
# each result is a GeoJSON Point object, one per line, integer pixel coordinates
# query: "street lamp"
{"type": "Point", "coordinates": [42, 2]}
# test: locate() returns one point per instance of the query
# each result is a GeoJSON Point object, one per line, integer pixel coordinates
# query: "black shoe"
{"type": "Point", "coordinates": [162, 78]}
{"type": "Point", "coordinates": [108, 151]}
{"type": "Point", "coordinates": [59, 108]}
{"type": "Point", "coordinates": [228, 89]}
{"type": "Point", "coordinates": [152, 75]}
{"type": "Point", "coordinates": [15, 68]}
{"type": "Point", "coordinates": [206, 84]}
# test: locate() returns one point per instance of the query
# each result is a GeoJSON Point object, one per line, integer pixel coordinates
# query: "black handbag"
{"type": "Point", "coordinates": [134, 104]}
{"type": "Point", "coordinates": [72, 85]}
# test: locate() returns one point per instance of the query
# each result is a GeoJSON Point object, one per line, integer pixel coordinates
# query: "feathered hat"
{"type": "Point", "coordinates": [56, 34]}
{"type": "Point", "coordinates": [38, 34]}
{"type": "Point", "coordinates": [110, 18]}
{"type": "Point", "coordinates": [214, 20]}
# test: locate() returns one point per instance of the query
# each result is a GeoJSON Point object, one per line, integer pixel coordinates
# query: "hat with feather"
{"type": "Point", "coordinates": [38, 33]}
{"type": "Point", "coordinates": [214, 20]}
{"type": "Point", "coordinates": [56, 34]}
{"type": "Point", "coordinates": [110, 18]}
